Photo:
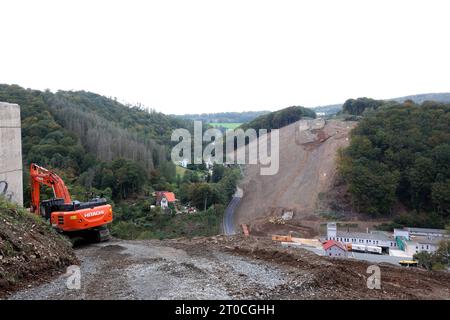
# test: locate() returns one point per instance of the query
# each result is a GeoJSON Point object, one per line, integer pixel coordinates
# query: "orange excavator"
{"type": "Point", "coordinates": [86, 220]}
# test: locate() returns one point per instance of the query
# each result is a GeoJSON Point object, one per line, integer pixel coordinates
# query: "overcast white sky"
{"type": "Point", "coordinates": [211, 56]}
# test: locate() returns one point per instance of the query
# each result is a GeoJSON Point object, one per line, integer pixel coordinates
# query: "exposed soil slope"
{"type": "Point", "coordinates": [30, 250]}
{"type": "Point", "coordinates": [308, 150]}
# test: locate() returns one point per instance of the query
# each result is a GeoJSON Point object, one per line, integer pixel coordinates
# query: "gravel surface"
{"type": "Point", "coordinates": [149, 270]}
{"type": "Point", "coordinates": [230, 268]}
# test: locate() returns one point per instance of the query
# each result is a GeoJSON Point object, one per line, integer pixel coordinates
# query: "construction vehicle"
{"type": "Point", "coordinates": [86, 220]}
{"type": "Point", "coordinates": [409, 263]}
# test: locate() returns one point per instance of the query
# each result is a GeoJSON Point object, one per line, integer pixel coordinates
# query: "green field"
{"type": "Point", "coordinates": [180, 170]}
{"type": "Point", "coordinates": [227, 125]}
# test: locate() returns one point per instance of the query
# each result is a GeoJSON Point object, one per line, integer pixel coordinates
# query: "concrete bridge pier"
{"type": "Point", "coordinates": [11, 185]}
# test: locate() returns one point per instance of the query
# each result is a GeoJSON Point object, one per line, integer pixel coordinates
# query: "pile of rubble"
{"type": "Point", "coordinates": [30, 250]}
{"type": "Point", "coordinates": [286, 216]}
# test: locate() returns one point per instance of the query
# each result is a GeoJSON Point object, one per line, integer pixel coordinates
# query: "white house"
{"type": "Point", "coordinates": [184, 163]}
{"type": "Point", "coordinates": [335, 249]}
{"type": "Point", "coordinates": [412, 247]}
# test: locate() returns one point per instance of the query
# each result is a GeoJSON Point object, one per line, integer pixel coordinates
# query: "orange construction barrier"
{"type": "Point", "coordinates": [287, 238]}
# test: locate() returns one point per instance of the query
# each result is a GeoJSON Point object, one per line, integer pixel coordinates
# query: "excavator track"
{"type": "Point", "coordinates": [94, 235]}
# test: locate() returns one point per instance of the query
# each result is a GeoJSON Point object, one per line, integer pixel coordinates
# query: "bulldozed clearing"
{"type": "Point", "coordinates": [308, 151]}
{"type": "Point", "coordinates": [235, 267]}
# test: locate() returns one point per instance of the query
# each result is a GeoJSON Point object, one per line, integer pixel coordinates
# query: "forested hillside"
{"type": "Point", "coordinates": [85, 135]}
{"type": "Point", "coordinates": [400, 155]}
{"type": "Point", "coordinates": [280, 118]}
{"type": "Point", "coordinates": [101, 147]}
{"type": "Point", "coordinates": [357, 106]}
{"type": "Point", "coordinates": [360, 105]}
{"type": "Point", "coordinates": [110, 131]}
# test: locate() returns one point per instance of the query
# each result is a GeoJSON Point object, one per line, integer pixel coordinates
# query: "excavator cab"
{"type": "Point", "coordinates": [74, 218]}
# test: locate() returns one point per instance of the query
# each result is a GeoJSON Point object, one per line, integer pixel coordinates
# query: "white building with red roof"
{"type": "Point", "coordinates": [333, 248]}
{"type": "Point", "coordinates": [164, 198]}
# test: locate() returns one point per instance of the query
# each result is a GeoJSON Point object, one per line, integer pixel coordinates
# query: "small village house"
{"type": "Point", "coordinates": [334, 249]}
{"type": "Point", "coordinates": [165, 199]}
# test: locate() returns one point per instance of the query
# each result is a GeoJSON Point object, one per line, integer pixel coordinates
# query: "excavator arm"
{"type": "Point", "coordinates": [38, 176]}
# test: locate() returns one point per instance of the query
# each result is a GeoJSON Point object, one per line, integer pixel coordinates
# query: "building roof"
{"type": "Point", "coordinates": [421, 240]}
{"type": "Point", "coordinates": [170, 196]}
{"type": "Point", "coordinates": [426, 230]}
{"type": "Point", "coordinates": [330, 243]}
{"type": "Point", "coordinates": [381, 236]}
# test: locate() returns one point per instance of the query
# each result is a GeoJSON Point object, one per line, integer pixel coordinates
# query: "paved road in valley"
{"type": "Point", "coordinates": [228, 217]}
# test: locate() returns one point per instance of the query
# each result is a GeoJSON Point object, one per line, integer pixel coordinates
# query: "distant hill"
{"type": "Point", "coordinates": [224, 117]}
{"type": "Point", "coordinates": [327, 110]}
{"type": "Point", "coordinates": [280, 118]}
{"type": "Point", "coordinates": [417, 98]}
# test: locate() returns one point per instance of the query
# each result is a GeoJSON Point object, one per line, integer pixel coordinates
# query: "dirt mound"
{"type": "Point", "coordinates": [236, 267]}
{"type": "Point", "coordinates": [307, 169]}
{"type": "Point", "coordinates": [30, 250]}
{"type": "Point", "coordinates": [327, 278]}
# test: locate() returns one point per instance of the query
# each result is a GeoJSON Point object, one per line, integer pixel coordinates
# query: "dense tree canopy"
{"type": "Point", "coordinates": [101, 147]}
{"type": "Point", "coordinates": [93, 141]}
{"type": "Point", "coordinates": [278, 119]}
{"type": "Point", "coordinates": [401, 153]}
{"type": "Point", "coordinates": [358, 106]}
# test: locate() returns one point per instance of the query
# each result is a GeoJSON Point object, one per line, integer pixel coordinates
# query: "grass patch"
{"type": "Point", "coordinates": [180, 171]}
{"type": "Point", "coordinates": [226, 125]}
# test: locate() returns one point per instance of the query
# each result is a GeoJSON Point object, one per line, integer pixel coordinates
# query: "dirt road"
{"type": "Point", "coordinates": [229, 267]}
